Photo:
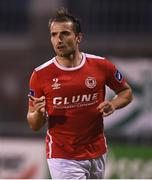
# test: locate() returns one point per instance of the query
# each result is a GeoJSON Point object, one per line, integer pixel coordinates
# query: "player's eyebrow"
{"type": "Point", "coordinates": [65, 32]}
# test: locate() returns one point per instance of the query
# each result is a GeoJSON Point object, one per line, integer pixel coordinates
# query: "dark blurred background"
{"type": "Point", "coordinates": [121, 30]}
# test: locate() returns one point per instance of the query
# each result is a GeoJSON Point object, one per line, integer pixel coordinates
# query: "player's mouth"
{"type": "Point", "coordinates": [60, 47]}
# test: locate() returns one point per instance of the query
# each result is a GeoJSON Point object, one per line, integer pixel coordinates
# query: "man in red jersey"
{"type": "Point", "coordinates": [70, 89]}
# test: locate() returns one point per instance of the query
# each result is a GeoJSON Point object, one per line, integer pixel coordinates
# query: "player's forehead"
{"type": "Point", "coordinates": [61, 26]}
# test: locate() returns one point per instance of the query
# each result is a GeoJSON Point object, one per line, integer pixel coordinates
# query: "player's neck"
{"type": "Point", "coordinates": [71, 61]}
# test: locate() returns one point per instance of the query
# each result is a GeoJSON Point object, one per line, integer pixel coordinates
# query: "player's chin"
{"type": "Point", "coordinates": [60, 53]}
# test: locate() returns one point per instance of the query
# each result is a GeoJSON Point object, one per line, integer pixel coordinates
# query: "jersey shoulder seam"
{"type": "Point", "coordinates": [94, 56]}
{"type": "Point", "coordinates": [44, 64]}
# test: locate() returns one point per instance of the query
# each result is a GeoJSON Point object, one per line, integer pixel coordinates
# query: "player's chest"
{"type": "Point", "coordinates": [73, 82]}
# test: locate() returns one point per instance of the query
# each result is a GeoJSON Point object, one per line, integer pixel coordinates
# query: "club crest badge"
{"type": "Point", "coordinates": [90, 82]}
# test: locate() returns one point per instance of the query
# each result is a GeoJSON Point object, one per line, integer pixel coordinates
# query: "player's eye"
{"type": "Point", "coordinates": [53, 34]}
{"type": "Point", "coordinates": [66, 33]}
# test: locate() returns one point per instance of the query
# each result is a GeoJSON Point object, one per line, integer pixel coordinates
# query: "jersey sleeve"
{"type": "Point", "coordinates": [115, 79]}
{"type": "Point", "coordinates": [34, 87]}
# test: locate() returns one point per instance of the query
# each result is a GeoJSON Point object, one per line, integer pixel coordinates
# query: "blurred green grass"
{"type": "Point", "coordinates": [131, 151]}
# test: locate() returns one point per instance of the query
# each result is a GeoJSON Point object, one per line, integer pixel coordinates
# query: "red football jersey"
{"type": "Point", "coordinates": [75, 126]}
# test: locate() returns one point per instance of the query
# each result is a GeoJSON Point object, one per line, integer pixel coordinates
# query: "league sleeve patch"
{"type": "Point", "coordinates": [118, 76]}
{"type": "Point", "coordinates": [31, 92]}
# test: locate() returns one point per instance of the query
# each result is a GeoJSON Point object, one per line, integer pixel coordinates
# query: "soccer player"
{"type": "Point", "coordinates": [70, 90]}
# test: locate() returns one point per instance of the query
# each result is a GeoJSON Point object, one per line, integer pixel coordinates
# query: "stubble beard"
{"type": "Point", "coordinates": [65, 54]}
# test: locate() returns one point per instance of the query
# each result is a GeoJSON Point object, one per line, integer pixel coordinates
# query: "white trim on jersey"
{"type": "Point", "coordinates": [50, 144]}
{"type": "Point", "coordinates": [53, 60]}
{"type": "Point", "coordinates": [71, 68]}
{"type": "Point", "coordinates": [93, 56]}
{"type": "Point", "coordinates": [44, 65]}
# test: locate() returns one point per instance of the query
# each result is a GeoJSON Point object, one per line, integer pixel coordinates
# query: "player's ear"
{"type": "Point", "coordinates": [79, 37]}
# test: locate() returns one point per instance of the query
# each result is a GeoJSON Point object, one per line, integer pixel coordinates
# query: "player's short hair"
{"type": "Point", "coordinates": [62, 15]}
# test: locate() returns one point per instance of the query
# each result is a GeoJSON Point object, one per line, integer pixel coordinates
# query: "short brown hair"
{"type": "Point", "coordinates": [62, 15]}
